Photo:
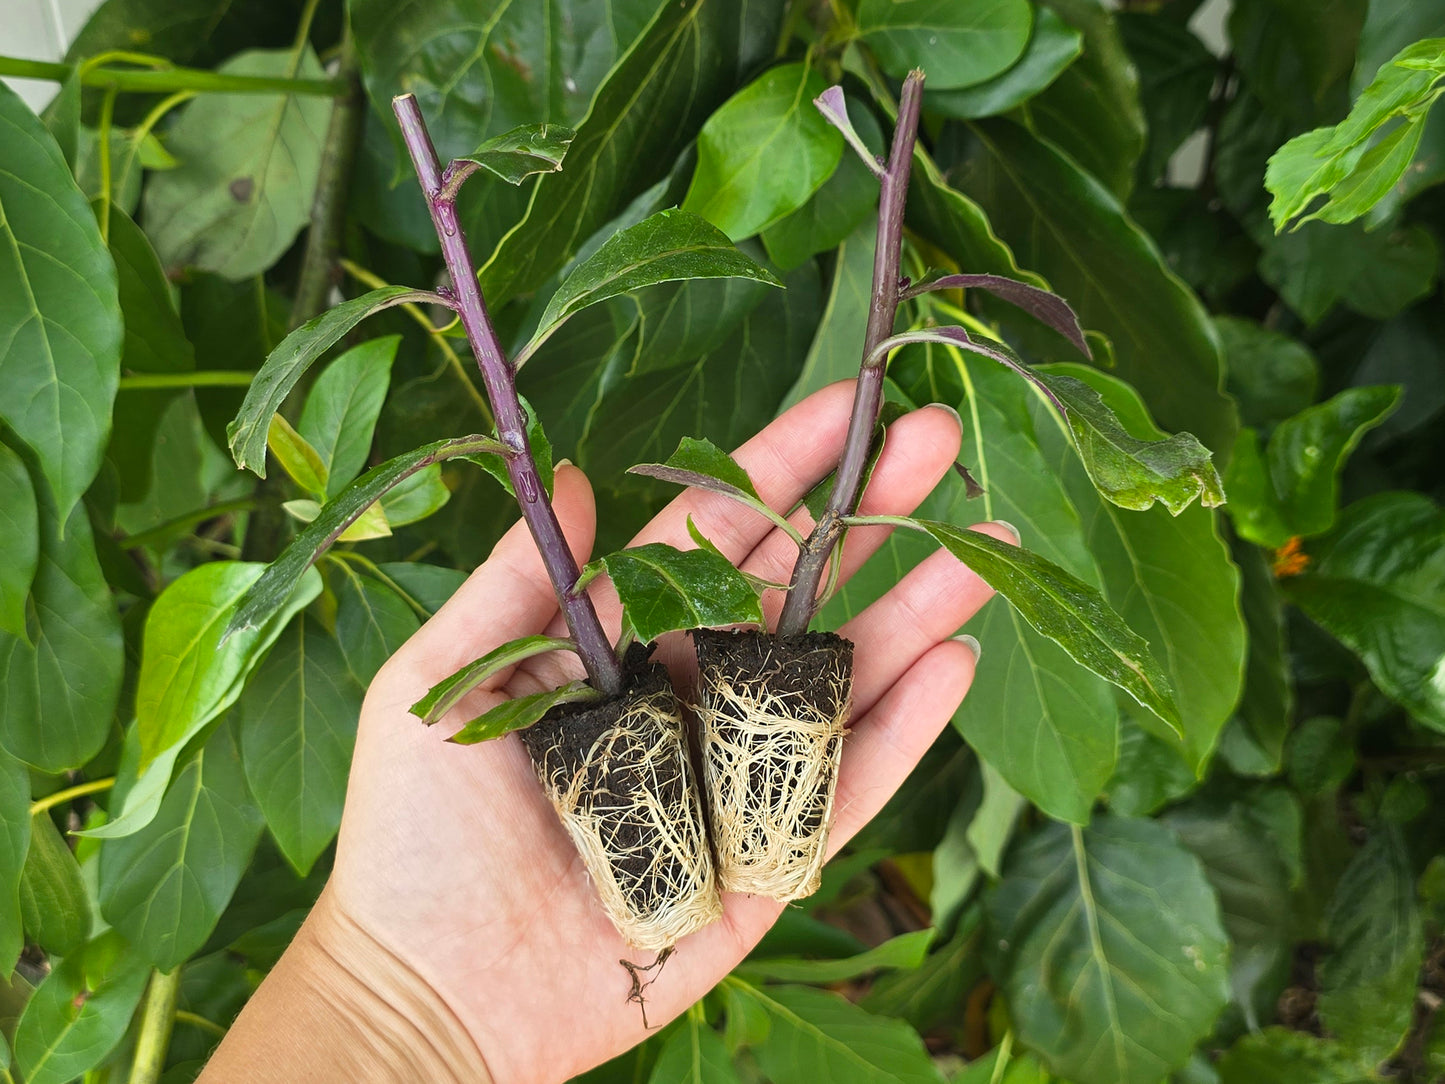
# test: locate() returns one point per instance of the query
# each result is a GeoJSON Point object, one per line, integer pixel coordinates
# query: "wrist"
{"type": "Point", "coordinates": [340, 1006]}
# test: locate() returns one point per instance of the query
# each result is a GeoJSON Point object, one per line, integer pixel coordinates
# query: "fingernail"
{"type": "Point", "coordinates": [1010, 528]}
{"type": "Point", "coordinates": [970, 642]}
{"type": "Point", "coordinates": [945, 406]}
{"type": "Point", "coordinates": [562, 463]}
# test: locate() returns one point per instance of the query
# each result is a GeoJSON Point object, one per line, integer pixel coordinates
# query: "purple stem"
{"type": "Point", "coordinates": [802, 600]}
{"type": "Point", "coordinates": [603, 669]}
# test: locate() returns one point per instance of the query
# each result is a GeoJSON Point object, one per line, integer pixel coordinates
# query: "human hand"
{"type": "Point", "coordinates": [452, 860]}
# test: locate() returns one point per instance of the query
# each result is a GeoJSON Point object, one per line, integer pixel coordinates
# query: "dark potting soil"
{"type": "Point", "coordinates": [614, 781]}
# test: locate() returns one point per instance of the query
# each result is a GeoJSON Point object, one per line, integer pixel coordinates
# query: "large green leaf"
{"type": "Point", "coordinates": [1169, 576]}
{"type": "Point", "coordinates": [54, 903]}
{"type": "Point", "coordinates": [693, 1054]}
{"type": "Point", "coordinates": [165, 886]}
{"type": "Point", "coordinates": [814, 1035]}
{"type": "Point", "coordinates": [58, 690]}
{"type": "Point", "coordinates": [957, 44]}
{"type": "Point", "coordinates": [247, 173]}
{"type": "Point", "coordinates": [373, 619]}
{"type": "Point", "coordinates": [1283, 1056]}
{"type": "Point", "coordinates": [764, 153]}
{"type": "Point", "coordinates": [270, 591]}
{"type": "Point", "coordinates": [1111, 951]}
{"type": "Point", "coordinates": [19, 541]}
{"type": "Point", "coordinates": [1293, 489]}
{"type": "Point", "coordinates": [652, 103]}
{"type": "Point", "coordinates": [342, 407]}
{"type": "Point", "coordinates": [1052, 47]}
{"type": "Point", "coordinates": [1271, 375]}
{"type": "Point", "coordinates": [80, 1012]}
{"type": "Point", "coordinates": [190, 670]}
{"type": "Point", "coordinates": [664, 589]}
{"type": "Point", "coordinates": [289, 362]}
{"type": "Point", "coordinates": [1064, 224]}
{"type": "Point", "coordinates": [1296, 55]}
{"type": "Point", "coordinates": [668, 246]}
{"type": "Point", "coordinates": [448, 693]}
{"type": "Point", "coordinates": [1377, 584]}
{"type": "Point", "coordinates": [836, 352]}
{"type": "Point", "coordinates": [297, 726]}
{"type": "Point", "coordinates": [60, 323]}
{"type": "Point", "coordinates": [1377, 942]}
{"type": "Point", "coordinates": [14, 842]}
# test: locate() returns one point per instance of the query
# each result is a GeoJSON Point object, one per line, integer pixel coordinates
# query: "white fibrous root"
{"type": "Point", "coordinates": [770, 753]}
{"type": "Point", "coordinates": [627, 797]}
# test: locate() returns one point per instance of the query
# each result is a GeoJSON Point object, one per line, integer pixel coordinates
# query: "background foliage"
{"type": "Point", "coordinates": [1063, 891]}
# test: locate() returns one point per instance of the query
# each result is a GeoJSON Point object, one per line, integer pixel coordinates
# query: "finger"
{"type": "Point", "coordinates": [509, 594]}
{"type": "Point", "coordinates": [919, 450]}
{"type": "Point", "coordinates": [887, 743]}
{"type": "Point", "coordinates": [928, 605]}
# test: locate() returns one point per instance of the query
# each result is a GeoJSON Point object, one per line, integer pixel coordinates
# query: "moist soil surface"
{"type": "Point", "coordinates": [562, 744]}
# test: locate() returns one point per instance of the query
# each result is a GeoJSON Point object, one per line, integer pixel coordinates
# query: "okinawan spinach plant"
{"type": "Point", "coordinates": [774, 706]}
{"type": "Point", "coordinates": [615, 795]}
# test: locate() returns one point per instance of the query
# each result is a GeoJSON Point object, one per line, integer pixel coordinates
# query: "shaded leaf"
{"type": "Point", "coordinates": [165, 886]}
{"type": "Point", "coordinates": [1270, 374]}
{"type": "Point", "coordinates": [60, 320]}
{"type": "Point", "coordinates": [1052, 47]}
{"type": "Point", "coordinates": [520, 712]}
{"type": "Point", "coordinates": [663, 589]}
{"type": "Point", "coordinates": [54, 903]}
{"type": "Point", "coordinates": [905, 951]}
{"type": "Point", "coordinates": [523, 151]}
{"type": "Point", "coordinates": [764, 152]}
{"type": "Point", "coordinates": [19, 542]}
{"type": "Point", "coordinates": [1377, 273]}
{"type": "Point", "coordinates": [14, 842]}
{"type": "Point", "coordinates": [957, 44]}
{"type": "Point", "coordinates": [693, 1054]}
{"type": "Point", "coordinates": [445, 695]}
{"type": "Point", "coordinates": [247, 173]}
{"type": "Point", "coordinates": [342, 407]}
{"type": "Point", "coordinates": [372, 621]}
{"type": "Point", "coordinates": [1112, 955]}
{"type": "Point", "coordinates": [290, 360]}
{"type": "Point", "coordinates": [1281, 1056]}
{"type": "Point", "coordinates": [297, 725]}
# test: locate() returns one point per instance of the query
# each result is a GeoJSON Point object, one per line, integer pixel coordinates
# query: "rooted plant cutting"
{"type": "Point", "coordinates": [774, 707]}
{"type": "Point", "coordinates": [610, 750]}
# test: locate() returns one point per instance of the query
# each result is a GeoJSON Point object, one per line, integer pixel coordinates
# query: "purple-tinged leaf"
{"type": "Point", "coordinates": [1048, 308]}
{"type": "Point", "coordinates": [834, 106]}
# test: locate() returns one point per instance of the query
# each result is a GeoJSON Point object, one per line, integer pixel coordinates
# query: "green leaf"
{"type": "Point", "coordinates": [297, 726]}
{"type": "Point", "coordinates": [60, 321]}
{"type": "Point", "coordinates": [1176, 77]}
{"type": "Point", "coordinates": [702, 463]}
{"type": "Point", "coordinates": [1339, 162]}
{"type": "Point", "coordinates": [1271, 375]}
{"type": "Point", "coordinates": [296, 456]}
{"type": "Point", "coordinates": [837, 349]}
{"type": "Point", "coordinates": [429, 586]}
{"type": "Point", "coordinates": [846, 200]}
{"type": "Point", "coordinates": [58, 689]}
{"type": "Point", "coordinates": [447, 694]}
{"type": "Point", "coordinates": [1293, 489]}
{"type": "Point", "coordinates": [934, 992]}
{"type": "Point", "coordinates": [342, 407]}
{"type": "Point", "coordinates": [1112, 955]}
{"type": "Point", "coordinates": [1283, 1056]}
{"type": "Point", "coordinates": [541, 454]}
{"type": "Point", "coordinates": [416, 497]}
{"type": "Point", "coordinates": [1377, 273]}
{"type": "Point", "coordinates": [520, 713]}
{"type": "Point", "coordinates": [14, 842]}
{"type": "Point", "coordinates": [523, 151]}
{"type": "Point", "coordinates": [813, 1035]}
{"type": "Point", "coordinates": [1150, 774]}
{"type": "Point", "coordinates": [668, 246]}
{"type": "Point", "coordinates": [1063, 608]}
{"type": "Point", "coordinates": [54, 903]}
{"type": "Point", "coordinates": [289, 361]}
{"type": "Point", "coordinates": [372, 621]}
{"type": "Point", "coordinates": [664, 589]}
{"type": "Point", "coordinates": [19, 542]}
{"type": "Point", "coordinates": [1052, 47]}
{"type": "Point", "coordinates": [906, 951]}
{"type": "Point", "coordinates": [80, 1012]}
{"type": "Point", "coordinates": [653, 100]}
{"type": "Point", "coordinates": [165, 886]}
{"type": "Point", "coordinates": [1267, 706]}
{"type": "Point", "coordinates": [693, 1054]}
{"type": "Point", "coordinates": [1377, 941]}
{"type": "Point", "coordinates": [249, 164]}
{"type": "Point", "coordinates": [957, 44]}
{"type": "Point", "coordinates": [764, 153]}
{"type": "Point", "coordinates": [270, 591]}
{"type": "Point", "coordinates": [1169, 576]}
{"type": "Point", "coordinates": [1069, 228]}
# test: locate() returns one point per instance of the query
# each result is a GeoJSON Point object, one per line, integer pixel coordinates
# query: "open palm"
{"type": "Point", "coordinates": [451, 856]}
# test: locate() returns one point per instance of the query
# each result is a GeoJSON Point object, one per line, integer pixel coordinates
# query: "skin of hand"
{"type": "Point", "coordinates": [454, 876]}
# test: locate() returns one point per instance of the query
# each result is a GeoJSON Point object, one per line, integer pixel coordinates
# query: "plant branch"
{"type": "Point", "coordinates": [167, 79]}
{"type": "Point", "coordinates": [158, 1016]}
{"type": "Point", "coordinates": [802, 600]}
{"type": "Point", "coordinates": [328, 210]}
{"type": "Point", "coordinates": [603, 668]}
{"type": "Point", "coordinates": [195, 378]}
{"type": "Point", "coordinates": [69, 794]}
